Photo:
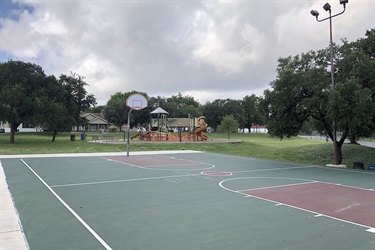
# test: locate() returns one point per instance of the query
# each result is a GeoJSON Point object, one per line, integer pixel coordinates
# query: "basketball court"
{"type": "Point", "coordinates": [188, 200]}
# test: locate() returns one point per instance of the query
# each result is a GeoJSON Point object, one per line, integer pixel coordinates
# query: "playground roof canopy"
{"type": "Point", "coordinates": [159, 111]}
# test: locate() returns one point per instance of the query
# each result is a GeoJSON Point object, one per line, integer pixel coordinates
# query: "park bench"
{"type": "Point", "coordinates": [109, 138]}
{"type": "Point", "coordinates": [95, 138]}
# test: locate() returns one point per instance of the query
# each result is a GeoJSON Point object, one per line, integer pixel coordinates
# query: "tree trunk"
{"type": "Point", "coordinates": [337, 154]}
{"type": "Point", "coordinates": [353, 139]}
{"type": "Point", "coordinates": [54, 135]}
{"type": "Point", "coordinates": [13, 130]}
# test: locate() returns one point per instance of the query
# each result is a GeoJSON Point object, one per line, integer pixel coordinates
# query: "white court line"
{"type": "Point", "coordinates": [271, 169]}
{"type": "Point", "coordinates": [359, 188]}
{"type": "Point", "coordinates": [123, 180]}
{"type": "Point", "coordinates": [97, 154]}
{"type": "Point", "coordinates": [279, 186]}
{"type": "Point", "coordinates": [242, 178]}
{"type": "Point", "coordinates": [106, 246]}
{"type": "Point", "coordinates": [157, 167]}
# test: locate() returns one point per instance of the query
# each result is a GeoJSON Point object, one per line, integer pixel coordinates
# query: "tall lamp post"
{"type": "Point", "coordinates": [327, 7]}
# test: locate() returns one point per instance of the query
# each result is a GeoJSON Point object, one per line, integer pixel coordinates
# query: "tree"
{"type": "Point", "coordinates": [179, 106]}
{"type": "Point", "coordinates": [77, 99]}
{"type": "Point", "coordinates": [215, 111]}
{"type": "Point", "coordinates": [251, 111]}
{"type": "Point", "coordinates": [303, 91]}
{"type": "Point", "coordinates": [357, 62]}
{"type": "Point", "coordinates": [116, 111]}
{"type": "Point", "coordinates": [20, 85]}
{"type": "Point", "coordinates": [229, 124]}
{"type": "Point", "coordinates": [50, 108]}
{"type": "Point", "coordinates": [96, 109]}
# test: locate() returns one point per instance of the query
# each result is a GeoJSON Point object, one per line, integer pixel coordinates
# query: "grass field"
{"type": "Point", "coordinates": [253, 145]}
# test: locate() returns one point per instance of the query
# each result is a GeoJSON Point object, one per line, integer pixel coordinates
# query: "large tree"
{"type": "Point", "coordinates": [303, 91]}
{"type": "Point", "coordinates": [357, 62]}
{"type": "Point", "coordinates": [20, 85]}
{"type": "Point", "coordinates": [77, 99]}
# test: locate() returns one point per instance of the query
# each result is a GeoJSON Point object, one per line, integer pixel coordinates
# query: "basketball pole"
{"type": "Point", "coordinates": [128, 143]}
{"type": "Point", "coordinates": [134, 101]}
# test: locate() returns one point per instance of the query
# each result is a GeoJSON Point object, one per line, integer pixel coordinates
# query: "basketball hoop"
{"type": "Point", "coordinates": [136, 102]}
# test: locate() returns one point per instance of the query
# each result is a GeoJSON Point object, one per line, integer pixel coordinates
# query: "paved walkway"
{"type": "Point", "coordinates": [323, 138]}
{"type": "Point", "coordinates": [11, 233]}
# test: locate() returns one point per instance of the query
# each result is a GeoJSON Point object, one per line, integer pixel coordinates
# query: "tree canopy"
{"type": "Point", "coordinates": [22, 88]}
{"type": "Point", "coordinates": [229, 124]}
{"type": "Point", "coordinates": [27, 95]}
{"type": "Point", "coordinates": [303, 93]}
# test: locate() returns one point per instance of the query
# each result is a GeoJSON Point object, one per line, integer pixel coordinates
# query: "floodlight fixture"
{"type": "Point", "coordinates": [315, 13]}
{"type": "Point", "coordinates": [344, 2]}
{"type": "Point", "coordinates": [327, 7]}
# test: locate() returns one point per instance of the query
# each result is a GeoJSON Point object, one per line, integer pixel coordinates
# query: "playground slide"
{"type": "Point", "coordinates": [136, 135]}
{"type": "Point", "coordinates": [199, 132]}
{"type": "Point", "coordinates": [201, 129]}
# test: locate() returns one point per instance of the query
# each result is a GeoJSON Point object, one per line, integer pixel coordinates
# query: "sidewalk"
{"type": "Point", "coordinates": [323, 138]}
{"type": "Point", "coordinates": [11, 233]}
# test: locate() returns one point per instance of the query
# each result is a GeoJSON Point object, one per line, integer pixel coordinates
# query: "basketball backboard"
{"type": "Point", "coordinates": [136, 102]}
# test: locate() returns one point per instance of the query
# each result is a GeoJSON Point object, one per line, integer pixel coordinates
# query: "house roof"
{"type": "Point", "coordinates": [94, 118]}
{"type": "Point", "coordinates": [98, 120]}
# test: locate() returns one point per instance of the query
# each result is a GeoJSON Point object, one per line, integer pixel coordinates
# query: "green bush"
{"type": "Point", "coordinates": [112, 129]}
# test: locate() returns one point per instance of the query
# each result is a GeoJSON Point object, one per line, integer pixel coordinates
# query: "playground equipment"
{"type": "Point", "coordinates": [202, 127]}
{"type": "Point", "coordinates": [163, 128]}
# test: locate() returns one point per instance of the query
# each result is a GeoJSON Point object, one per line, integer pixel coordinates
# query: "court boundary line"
{"type": "Point", "coordinates": [278, 186]}
{"type": "Point", "coordinates": [96, 236]}
{"type": "Point", "coordinates": [157, 167]}
{"type": "Point", "coordinates": [22, 156]}
{"type": "Point", "coordinates": [317, 214]}
{"type": "Point", "coordinates": [123, 180]}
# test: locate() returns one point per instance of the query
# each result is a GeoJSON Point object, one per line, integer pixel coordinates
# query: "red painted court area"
{"type": "Point", "coordinates": [150, 160]}
{"type": "Point", "coordinates": [342, 202]}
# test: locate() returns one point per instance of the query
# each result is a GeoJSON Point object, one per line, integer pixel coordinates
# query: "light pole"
{"type": "Point", "coordinates": [327, 7]}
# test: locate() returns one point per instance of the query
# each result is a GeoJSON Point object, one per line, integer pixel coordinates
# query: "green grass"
{"type": "Point", "coordinates": [253, 145]}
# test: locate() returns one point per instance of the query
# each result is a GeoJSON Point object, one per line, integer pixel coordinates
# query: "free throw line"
{"type": "Point", "coordinates": [70, 209]}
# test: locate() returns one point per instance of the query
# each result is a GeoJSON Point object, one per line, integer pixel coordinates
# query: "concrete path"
{"type": "Point", "coordinates": [323, 138]}
{"type": "Point", "coordinates": [11, 233]}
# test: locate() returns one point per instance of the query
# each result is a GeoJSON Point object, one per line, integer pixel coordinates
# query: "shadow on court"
{"type": "Point", "coordinates": [190, 200]}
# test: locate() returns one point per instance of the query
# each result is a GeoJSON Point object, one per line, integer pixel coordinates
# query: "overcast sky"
{"type": "Point", "coordinates": [205, 49]}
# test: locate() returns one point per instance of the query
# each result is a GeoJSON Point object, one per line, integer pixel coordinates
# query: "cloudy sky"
{"type": "Point", "coordinates": [206, 49]}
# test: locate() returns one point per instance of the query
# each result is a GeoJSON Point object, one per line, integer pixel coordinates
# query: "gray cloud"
{"type": "Point", "coordinates": [207, 49]}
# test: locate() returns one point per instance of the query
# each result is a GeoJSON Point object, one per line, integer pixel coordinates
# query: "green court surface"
{"type": "Point", "coordinates": [190, 200]}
